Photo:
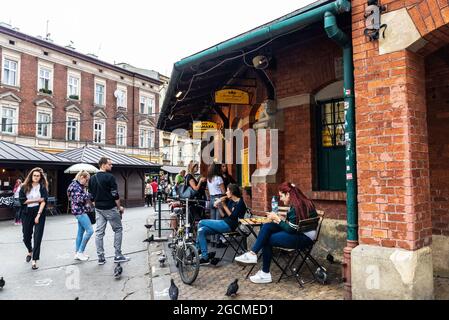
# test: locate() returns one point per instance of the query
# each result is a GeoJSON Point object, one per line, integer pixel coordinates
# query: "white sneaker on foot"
{"type": "Point", "coordinates": [247, 258]}
{"type": "Point", "coordinates": [261, 277]}
{"type": "Point", "coordinates": [81, 256]}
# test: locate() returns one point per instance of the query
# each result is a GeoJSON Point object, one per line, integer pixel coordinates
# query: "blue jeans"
{"type": "Point", "coordinates": [85, 231]}
{"type": "Point", "coordinates": [214, 214]}
{"type": "Point", "coordinates": [209, 227]}
{"type": "Point", "coordinates": [272, 235]}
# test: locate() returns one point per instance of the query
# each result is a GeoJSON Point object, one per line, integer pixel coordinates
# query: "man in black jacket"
{"type": "Point", "coordinates": [106, 199]}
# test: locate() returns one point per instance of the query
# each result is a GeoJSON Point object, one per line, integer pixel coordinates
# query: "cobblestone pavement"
{"type": "Point", "coordinates": [212, 283]}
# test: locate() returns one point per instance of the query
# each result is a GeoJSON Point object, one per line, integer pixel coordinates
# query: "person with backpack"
{"type": "Point", "coordinates": [148, 194]}
{"type": "Point", "coordinates": [106, 200]}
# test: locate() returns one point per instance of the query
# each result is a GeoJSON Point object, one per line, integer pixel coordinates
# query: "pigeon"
{"type": "Point", "coordinates": [173, 291]}
{"type": "Point", "coordinates": [162, 260]}
{"type": "Point", "coordinates": [330, 258]}
{"type": "Point", "coordinates": [77, 298]}
{"type": "Point", "coordinates": [148, 226]}
{"type": "Point", "coordinates": [232, 289]}
{"type": "Point", "coordinates": [2, 283]}
{"type": "Point", "coordinates": [150, 238]}
{"type": "Point", "coordinates": [118, 271]}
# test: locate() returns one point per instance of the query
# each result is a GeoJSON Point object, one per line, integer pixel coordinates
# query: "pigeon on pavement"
{"type": "Point", "coordinates": [233, 288]}
{"type": "Point", "coordinates": [118, 271]}
{"type": "Point", "coordinates": [173, 291]}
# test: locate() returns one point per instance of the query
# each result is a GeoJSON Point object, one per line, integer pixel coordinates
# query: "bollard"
{"type": "Point", "coordinates": [159, 209]}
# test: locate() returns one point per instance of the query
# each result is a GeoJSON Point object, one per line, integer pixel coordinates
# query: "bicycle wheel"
{"type": "Point", "coordinates": [189, 263]}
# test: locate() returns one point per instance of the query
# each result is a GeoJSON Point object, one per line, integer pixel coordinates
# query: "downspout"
{"type": "Point", "coordinates": [336, 34]}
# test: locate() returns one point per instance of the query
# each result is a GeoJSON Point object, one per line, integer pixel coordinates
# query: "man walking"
{"type": "Point", "coordinates": [103, 188]}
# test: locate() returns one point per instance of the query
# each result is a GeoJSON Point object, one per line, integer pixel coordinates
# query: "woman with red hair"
{"type": "Point", "coordinates": [281, 233]}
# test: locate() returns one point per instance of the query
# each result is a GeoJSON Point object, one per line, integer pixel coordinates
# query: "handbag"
{"type": "Point", "coordinates": [92, 217]}
{"type": "Point", "coordinates": [186, 191]}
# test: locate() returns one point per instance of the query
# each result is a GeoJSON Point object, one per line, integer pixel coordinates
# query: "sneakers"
{"type": "Point", "coordinates": [101, 260]}
{"type": "Point", "coordinates": [261, 277]}
{"type": "Point", "coordinates": [81, 256]}
{"type": "Point", "coordinates": [121, 258]}
{"type": "Point", "coordinates": [204, 262]}
{"type": "Point", "coordinates": [247, 258]}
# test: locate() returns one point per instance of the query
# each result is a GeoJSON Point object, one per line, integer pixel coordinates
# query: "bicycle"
{"type": "Point", "coordinates": [183, 247]}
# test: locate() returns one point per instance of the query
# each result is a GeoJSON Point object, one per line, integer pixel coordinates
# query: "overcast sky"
{"type": "Point", "coordinates": [146, 34]}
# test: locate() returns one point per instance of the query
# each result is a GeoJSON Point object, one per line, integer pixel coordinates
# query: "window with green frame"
{"type": "Point", "coordinates": [331, 145]}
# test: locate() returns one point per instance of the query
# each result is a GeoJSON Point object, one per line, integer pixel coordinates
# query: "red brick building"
{"type": "Point", "coordinates": [54, 98]}
{"type": "Point", "coordinates": [401, 138]}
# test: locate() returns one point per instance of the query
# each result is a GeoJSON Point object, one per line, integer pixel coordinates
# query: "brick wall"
{"type": "Point", "coordinates": [28, 93]}
{"type": "Point", "coordinates": [437, 92]}
{"type": "Point", "coordinates": [392, 150]}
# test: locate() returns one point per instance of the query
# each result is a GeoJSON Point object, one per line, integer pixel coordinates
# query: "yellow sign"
{"type": "Point", "coordinates": [245, 168]}
{"type": "Point", "coordinates": [203, 126]}
{"type": "Point", "coordinates": [232, 96]}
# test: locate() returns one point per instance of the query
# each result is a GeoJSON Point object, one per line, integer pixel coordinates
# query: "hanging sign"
{"type": "Point", "coordinates": [203, 126]}
{"type": "Point", "coordinates": [232, 96]}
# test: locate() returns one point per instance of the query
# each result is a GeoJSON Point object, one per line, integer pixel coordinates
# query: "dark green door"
{"type": "Point", "coordinates": [331, 146]}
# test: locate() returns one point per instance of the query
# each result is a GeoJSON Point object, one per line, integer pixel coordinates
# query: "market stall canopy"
{"type": "Point", "coordinates": [173, 169]}
{"type": "Point", "coordinates": [15, 153]}
{"type": "Point", "coordinates": [81, 167]}
{"type": "Point", "coordinates": [92, 155]}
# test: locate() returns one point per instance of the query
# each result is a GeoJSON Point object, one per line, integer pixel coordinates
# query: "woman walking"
{"type": "Point", "coordinates": [79, 200]}
{"type": "Point", "coordinates": [17, 206]}
{"type": "Point", "coordinates": [281, 233]}
{"type": "Point", "coordinates": [33, 197]}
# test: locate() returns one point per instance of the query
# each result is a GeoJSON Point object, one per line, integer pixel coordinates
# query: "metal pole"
{"type": "Point", "coordinates": [159, 199]}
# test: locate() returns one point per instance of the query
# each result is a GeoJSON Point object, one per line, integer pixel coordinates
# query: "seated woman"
{"type": "Point", "coordinates": [279, 233]}
{"type": "Point", "coordinates": [232, 207]}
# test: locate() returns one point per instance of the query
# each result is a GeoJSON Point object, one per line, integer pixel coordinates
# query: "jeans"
{"type": "Point", "coordinates": [85, 231]}
{"type": "Point", "coordinates": [272, 235]}
{"type": "Point", "coordinates": [214, 215]}
{"type": "Point", "coordinates": [115, 220]}
{"type": "Point", "coordinates": [18, 217]}
{"type": "Point", "coordinates": [209, 227]}
{"type": "Point", "coordinates": [28, 225]}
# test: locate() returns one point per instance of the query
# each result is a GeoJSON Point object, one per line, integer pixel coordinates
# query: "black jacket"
{"type": "Point", "coordinates": [23, 197]}
{"type": "Point", "coordinates": [103, 190]}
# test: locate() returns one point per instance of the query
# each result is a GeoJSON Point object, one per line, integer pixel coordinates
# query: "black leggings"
{"type": "Point", "coordinates": [28, 216]}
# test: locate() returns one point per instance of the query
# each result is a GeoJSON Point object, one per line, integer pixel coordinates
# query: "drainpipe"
{"type": "Point", "coordinates": [336, 34]}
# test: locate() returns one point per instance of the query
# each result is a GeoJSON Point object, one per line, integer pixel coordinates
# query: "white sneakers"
{"type": "Point", "coordinates": [261, 277]}
{"type": "Point", "coordinates": [81, 256]}
{"type": "Point", "coordinates": [247, 258]}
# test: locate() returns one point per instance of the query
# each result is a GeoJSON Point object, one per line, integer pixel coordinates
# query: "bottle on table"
{"type": "Point", "coordinates": [274, 205]}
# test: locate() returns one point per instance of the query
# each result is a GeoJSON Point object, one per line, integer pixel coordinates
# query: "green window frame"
{"type": "Point", "coordinates": [331, 145]}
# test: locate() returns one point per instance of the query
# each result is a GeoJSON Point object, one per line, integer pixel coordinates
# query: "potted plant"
{"type": "Point", "coordinates": [46, 91]}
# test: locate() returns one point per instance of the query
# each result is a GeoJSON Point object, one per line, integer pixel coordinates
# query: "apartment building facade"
{"type": "Point", "coordinates": [54, 98]}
